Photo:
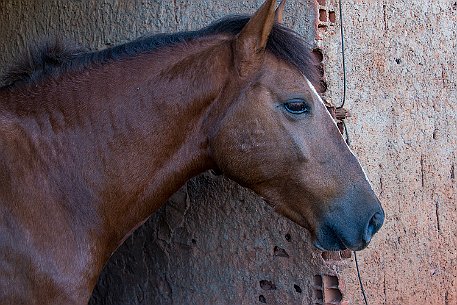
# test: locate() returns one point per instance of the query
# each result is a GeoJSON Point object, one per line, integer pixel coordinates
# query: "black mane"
{"type": "Point", "coordinates": [56, 57]}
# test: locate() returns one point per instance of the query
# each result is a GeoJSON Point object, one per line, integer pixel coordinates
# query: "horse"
{"type": "Point", "coordinates": [92, 143]}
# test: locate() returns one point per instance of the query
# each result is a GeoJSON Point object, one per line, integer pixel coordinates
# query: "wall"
{"type": "Point", "coordinates": [402, 94]}
{"type": "Point", "coordinates": [97, 24]}
{"type": "Point", "coordinates": [216, 243]}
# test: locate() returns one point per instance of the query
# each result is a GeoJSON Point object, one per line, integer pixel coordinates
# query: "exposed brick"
{"type": "Point", "coordinates": [323, 15]}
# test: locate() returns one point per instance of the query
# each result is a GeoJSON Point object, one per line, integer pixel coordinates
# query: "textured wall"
{"type": "Point", "coordinates": [213, 243]}
{"type": "Point", "coordinates": [216, 243]}
{"type": "Point", "coordinates": [402, 82]}
{"type": "Point", "coordinates": [97, 24]}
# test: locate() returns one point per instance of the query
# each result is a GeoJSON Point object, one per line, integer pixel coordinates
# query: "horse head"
{"type": "Point", "coordinates": [276, 137]}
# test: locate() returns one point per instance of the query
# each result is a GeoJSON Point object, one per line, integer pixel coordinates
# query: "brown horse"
{"type": "Point", "coordinates": [92, 143]}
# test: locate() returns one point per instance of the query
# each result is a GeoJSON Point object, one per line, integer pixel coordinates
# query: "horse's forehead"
{"type": "Point", "coordinates": [282, 74]}
{"type": "Point", "coordinates": [283, 77]}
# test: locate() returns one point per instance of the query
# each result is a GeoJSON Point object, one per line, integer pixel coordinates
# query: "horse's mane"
{"type": "Point", "coordinates": [55, 57]}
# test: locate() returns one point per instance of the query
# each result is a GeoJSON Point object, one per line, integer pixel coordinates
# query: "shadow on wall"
{"type": "Point", "coordinates": [216, 243]}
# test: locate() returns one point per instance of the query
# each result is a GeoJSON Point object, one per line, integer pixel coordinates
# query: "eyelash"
{"type": "Point", "coordinates": [296, 106]}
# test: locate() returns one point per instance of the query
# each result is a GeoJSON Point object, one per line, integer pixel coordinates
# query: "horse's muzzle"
{"type": "Point", "coordinates": [341, 233]}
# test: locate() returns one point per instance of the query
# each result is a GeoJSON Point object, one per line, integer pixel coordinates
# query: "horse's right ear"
{"type": "Point", "coordinates": [251, 42]}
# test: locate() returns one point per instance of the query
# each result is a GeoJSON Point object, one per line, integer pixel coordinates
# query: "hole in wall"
{"type": "Point", "coordinates": [326, 289]}
{"type": "Point", "coordinates": [346, 254]}
{"type": "Point", "coordinates": [267, 285]}
{"type": "Point", "coordinates": [280, 252]}
{"type": "Point", "coordinates": [322, 88]}
{"type": "Point", "coordinates": [336, 256]}
{"type": "Point", "coordinates": [331, 256]}
{"type": "Point", "coordinates": [319, 295]}
{"type": "Point", "coordinates": [318, 55]}
{"type": "Point", "coordinates": [262, 299]}
{"type": "Point", "coordinates": [297, 289]}
{"type": "Point", "coordinates": [320, 68]}
{"type": "Point", "coordinates": [318, 280]}
{"type": "Point", "coordinates": [330, 281]}
{"type": "Point", "coordinates": [398, 61]}
{"type": "Point", "coordinates": [322, 26]}
{"type": "Point", "coordinates": [332, 295]}
{"type": "Point", "coordinates": [322, 15]}
{"type": "Point", "coordinates": [332, 17]}
{"type": "Point", "coordinates": [288, 237]}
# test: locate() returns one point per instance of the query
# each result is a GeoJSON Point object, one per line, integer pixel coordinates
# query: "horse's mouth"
{"type": "Point", "coordinates": [335, 246]}
{"type": "Point", "coordinates": [330, 240]}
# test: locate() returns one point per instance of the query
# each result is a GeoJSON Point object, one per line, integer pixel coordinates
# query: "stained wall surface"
{"type": "Point", "coordinates": [217, 243]}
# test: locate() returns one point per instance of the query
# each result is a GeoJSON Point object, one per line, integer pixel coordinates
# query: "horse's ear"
{"type": "Point", "coordinates": [252, 40]}
{"type": "Point", "coordinates": [280, 11]}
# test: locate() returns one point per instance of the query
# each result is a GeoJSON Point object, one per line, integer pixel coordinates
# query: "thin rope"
{"type": "Point", "coordinates": [343, 102]}
{"type": "Point", "coordinates": [343, 57]}
{"type": "Point", "coordinates": [360, 279]}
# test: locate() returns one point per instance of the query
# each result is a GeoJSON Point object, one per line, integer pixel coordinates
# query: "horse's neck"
{"type": "Point", "coordinates": [157, 135]}
{"type": "Point", "coordinates": [116, 141]}
{"type": "Point", "coordinates": [153, 136]}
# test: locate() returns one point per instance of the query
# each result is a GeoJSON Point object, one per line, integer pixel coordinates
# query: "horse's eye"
{"type": "Point", "coordinates": [296, 106]}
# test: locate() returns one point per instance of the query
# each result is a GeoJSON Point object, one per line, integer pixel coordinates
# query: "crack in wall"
{"type": "Point", "coordinates": [422, 162]}
{"type": "Point", "coordinates": [385, 288]}
{"type": "Point", "coordinates": [437, 215]}
{"type": "Point", "coordinates": [386, 26]}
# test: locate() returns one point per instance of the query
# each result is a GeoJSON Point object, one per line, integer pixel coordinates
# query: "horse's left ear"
{"type": "Point", "coordinates": [252, 40]}
{"type": "Point", "coordinates": [280, 11]}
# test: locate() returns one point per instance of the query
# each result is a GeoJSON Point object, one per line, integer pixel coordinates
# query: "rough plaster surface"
{"type": "Point", "coordinates": [213, 243]}
{"type": "Point", "coordinates": [97, 24]}
{"type": "Point", "coordinates": [402, 94]}
{"type": "Point", "coordinates": [216, 243]}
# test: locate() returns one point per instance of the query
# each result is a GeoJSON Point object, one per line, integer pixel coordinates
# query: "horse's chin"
{"type": "Point", "coordinates": [336, 244]}
{"type": "Point", "coordinates": [325, 246]}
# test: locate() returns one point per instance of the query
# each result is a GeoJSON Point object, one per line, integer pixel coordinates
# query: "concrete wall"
{"type": "Point", "coordinates": [216, 243]}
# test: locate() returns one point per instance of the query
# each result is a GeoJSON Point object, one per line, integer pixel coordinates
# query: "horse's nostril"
{"type": "Point", "coordinates": [375, 224]}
